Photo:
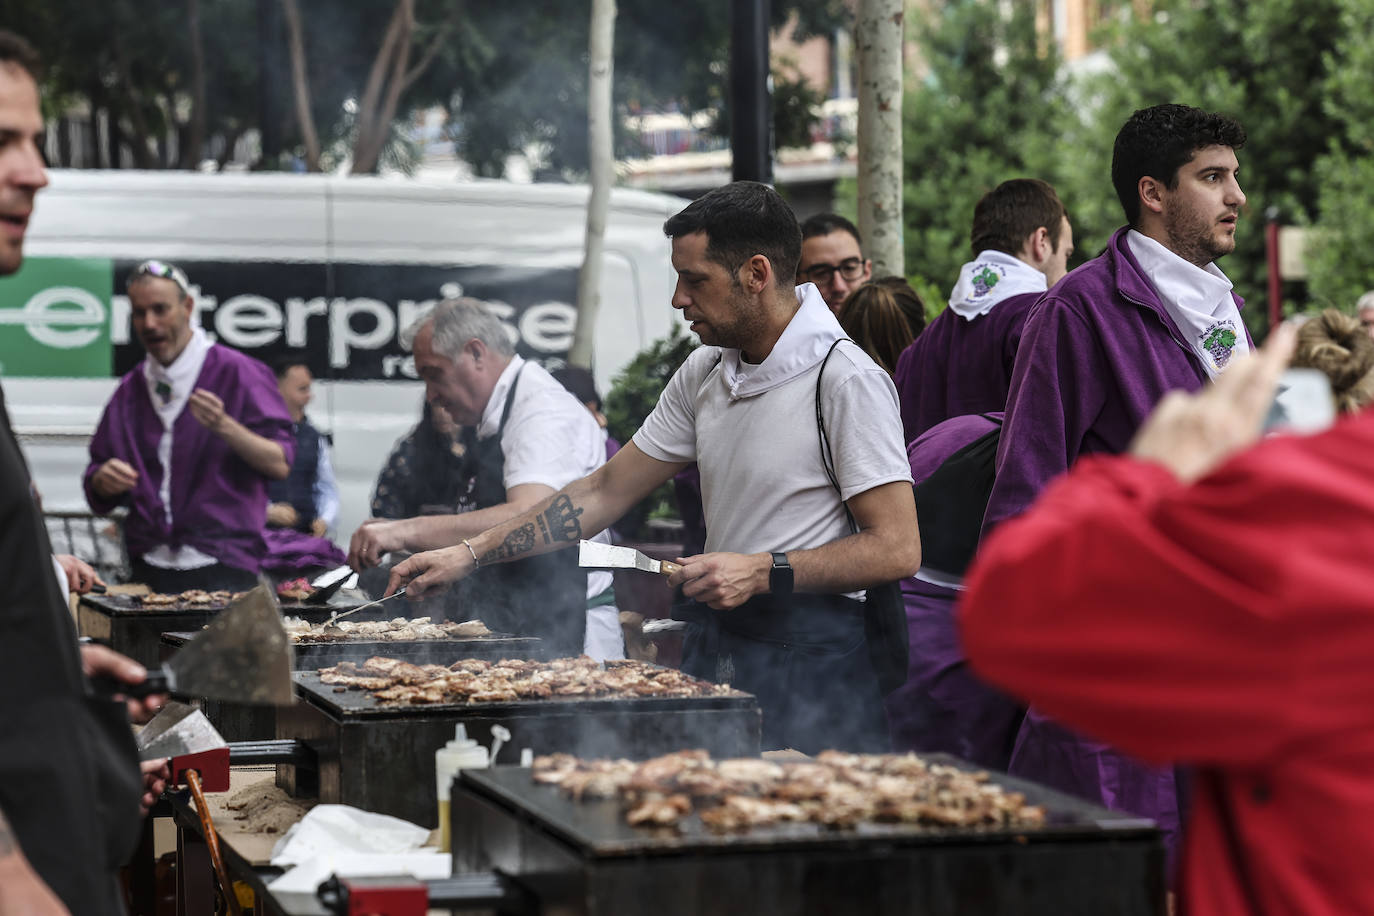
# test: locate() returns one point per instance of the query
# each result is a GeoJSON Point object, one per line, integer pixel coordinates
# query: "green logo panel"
{"type": "Point", "coordinates": [55, 318]}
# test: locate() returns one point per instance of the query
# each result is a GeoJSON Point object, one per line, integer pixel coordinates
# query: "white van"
{"type": "Point", "coordinates": [336, 266]}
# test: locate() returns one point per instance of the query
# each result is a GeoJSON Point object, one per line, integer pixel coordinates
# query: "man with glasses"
{"type": "Point", "coordinates": [831, 258]}
{"type": "Point", "coordinates": [188, 443]}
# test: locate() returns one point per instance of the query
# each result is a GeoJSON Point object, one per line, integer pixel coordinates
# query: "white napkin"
{"type": "Point", "coordinates": [344, 829]}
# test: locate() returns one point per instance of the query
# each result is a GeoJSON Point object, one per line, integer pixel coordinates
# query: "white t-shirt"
{"type": "Point", "coordinates": [752, 431]}
{"type": "Point", "coordinates": [550, 438]}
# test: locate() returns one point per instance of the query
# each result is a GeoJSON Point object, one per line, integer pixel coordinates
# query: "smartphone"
{"type": "Point", "coordinates": [1303, 403]}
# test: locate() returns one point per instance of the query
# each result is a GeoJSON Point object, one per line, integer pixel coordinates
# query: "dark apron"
{"type": "Point", "coordinates": [543, 596]}
{"type": "Point", "coordinates": [69, 777]}
{"type": "Point", "coordinates": [806, 660]}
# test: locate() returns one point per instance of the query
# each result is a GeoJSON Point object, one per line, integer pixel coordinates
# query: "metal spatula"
{"type": "Point", "coordinates": [607, 556]}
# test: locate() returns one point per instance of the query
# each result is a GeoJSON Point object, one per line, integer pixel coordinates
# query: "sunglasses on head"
{"type": "Point", "coordinates": [161, 270]}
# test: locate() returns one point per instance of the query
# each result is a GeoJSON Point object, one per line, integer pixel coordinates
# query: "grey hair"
{"type": "Point", "coordinates": [456, 321]}
{"type": "Point", "coordinates": [1365, 302]}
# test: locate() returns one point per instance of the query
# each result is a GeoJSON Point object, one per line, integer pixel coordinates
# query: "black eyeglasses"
{"type": "Point", "coordinates": [162, 270]}
{"type": "Point", "coordinates": [849, 268]}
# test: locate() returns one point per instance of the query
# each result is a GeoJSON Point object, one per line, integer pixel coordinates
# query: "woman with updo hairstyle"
{"type": "Point", "coordinates": [884, 316]}
{"type": "Point", "coordinates": [1338, 346]}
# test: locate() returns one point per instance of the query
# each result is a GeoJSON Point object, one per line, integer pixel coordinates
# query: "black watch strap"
{"type": "Point", "coordinates": [780, 576]}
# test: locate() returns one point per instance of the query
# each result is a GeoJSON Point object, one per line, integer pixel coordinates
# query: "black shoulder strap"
{"type": "Point", "coordinates": [827, 458]}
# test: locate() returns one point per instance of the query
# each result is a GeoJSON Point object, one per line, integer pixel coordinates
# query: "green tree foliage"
{"type": "Point", "coordinates": [1340, 258]}
{"type": "Point", "coordinates": [633, 395]}
{"type": "Point", "coordinates": [1263, 63]}
{"type": "Point", "coordinates": [990, 109]}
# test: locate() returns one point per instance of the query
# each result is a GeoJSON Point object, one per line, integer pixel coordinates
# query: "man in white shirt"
{"type": "Point", "coordinates": [525, 437]}
{"type": "Point", "coordinates": [799, 522]}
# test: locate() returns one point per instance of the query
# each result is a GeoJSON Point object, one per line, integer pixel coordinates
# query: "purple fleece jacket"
{"type": "Point", "coordinates": [219, 503]}
{"type": "Point", "coordinates": [959, 367]}
{"type": "Point", "coordinates": [1097, 353]}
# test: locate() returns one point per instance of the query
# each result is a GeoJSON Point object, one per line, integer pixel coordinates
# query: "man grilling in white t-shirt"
{"type": "Point", "coordinates": [784, 569]}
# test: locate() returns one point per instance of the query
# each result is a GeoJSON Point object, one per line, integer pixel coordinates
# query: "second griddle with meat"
{"type": "Point", "coordinates": [395, 682]}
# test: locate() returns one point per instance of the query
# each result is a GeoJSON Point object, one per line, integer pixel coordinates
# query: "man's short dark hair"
{"type": "Point", "coordinates": [284, 362]}
{"type": "Point", "coordinates": [826, 223]}
{"type": "Point", "coordinates": [1006, 215]}
{"type": "Point", "coordinates": [1158, 141]}
{"type": "Point", "coordinates": [15, 50]}
{"type": "Point", "coordinates": [742, 219]}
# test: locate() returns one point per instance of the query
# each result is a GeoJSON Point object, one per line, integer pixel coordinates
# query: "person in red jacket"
{"type": "Point", "coordinates": [1239, 637]}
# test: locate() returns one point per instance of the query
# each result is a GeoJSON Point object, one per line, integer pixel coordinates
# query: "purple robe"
{"type": "Point", "coordinates": [942, 706]}
{"type": "Point", "coordinates": [219, 503]}
{"type": "Point", "coordinates": [1097, 354]}
{"type": "Point", "coordinates": [293, 553]}
{"type": "Point", "coordinates": [958, 367]}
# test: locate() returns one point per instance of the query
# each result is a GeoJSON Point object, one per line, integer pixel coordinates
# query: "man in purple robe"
{"type": "Point", "coordinates": [188, 443]}
{"type": "Point", "coordinates": [961, 364]}
{"type": "Point", "coordinates": [1150, 315]}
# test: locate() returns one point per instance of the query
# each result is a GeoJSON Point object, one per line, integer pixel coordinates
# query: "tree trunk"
{"type": "Point", "coordinates": [195, 137]}
{"type": "Point", "coordinates": [301, 84]}
{"type": "Point", "coordinates": [878, 41]}
{"type": "Point", "coordinates": [138, 143]}
{"type": "Point", "coordinates": [601, 160]}
{"type": "Point", "coordinates": [382, 91]}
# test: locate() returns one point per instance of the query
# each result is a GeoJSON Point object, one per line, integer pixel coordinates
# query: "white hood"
{"type": "Point", "coordinates": [803, 344]}
{"type": "Point", "coordinates": [990, 278]}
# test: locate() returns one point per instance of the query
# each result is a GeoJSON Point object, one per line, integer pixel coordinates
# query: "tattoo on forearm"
{"type": "Point", "coordinates": [519, 541]}
{"type": "Point", "coordinates": [559, 522]}
{"type": "Point", "coordinates": [8, 844]}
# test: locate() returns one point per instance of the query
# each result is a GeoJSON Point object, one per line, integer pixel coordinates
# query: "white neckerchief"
{"type": "Point", "coordinates": [803, 344]}
{"type": "Point", "coordinates": [1198, 299]}
{"type": "Point", "coordinates": [491, 414]}
{"type": "Point", "coordinates": [990, 278]}
{"type": "Point", "coordinates": [169, 388]}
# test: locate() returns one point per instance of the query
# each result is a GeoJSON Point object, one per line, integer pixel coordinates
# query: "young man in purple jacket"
{"type": "Point", "coordinates": [961, 364]}
{"type": "Point", "coordinates": [1150, 315]}
{"type": "Point", "coordinates": [188, 442]}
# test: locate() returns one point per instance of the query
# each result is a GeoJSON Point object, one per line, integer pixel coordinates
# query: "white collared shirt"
{"type": "Point", "coordinates": [550, 438]}
{"type": "Point", "coordinates": [169, 388]}
{"type": "Point", "coordinates": [1198, 299]}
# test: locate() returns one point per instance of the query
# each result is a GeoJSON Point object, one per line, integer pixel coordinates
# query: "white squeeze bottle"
{"type": "Point", "coordinates": [459, 754]}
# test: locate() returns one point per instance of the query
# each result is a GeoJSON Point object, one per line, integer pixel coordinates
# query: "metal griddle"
{"type": "Point", "coordinates": [380, 756]}
{"type": "Point", "coordinates": [135, 630]}
{"type": "Point", "coordinates": [597, 828]}
{"type": "Point", "coordinates": [416, 651]}
{"type": "Point", "coordinates": [581, 858]}
{"type": "Point", "coordinates": [355, 703]}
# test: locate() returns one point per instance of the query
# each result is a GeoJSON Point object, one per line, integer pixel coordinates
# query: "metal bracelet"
{"type": "Point", "coordinates": [475, 564]}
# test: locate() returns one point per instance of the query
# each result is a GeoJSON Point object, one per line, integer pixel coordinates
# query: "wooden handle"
{"type": "Point", "coordinates": [666, 569]}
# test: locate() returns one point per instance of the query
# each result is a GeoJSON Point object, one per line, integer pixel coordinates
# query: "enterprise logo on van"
{"type": "Point", "coordinates": [55, 320]}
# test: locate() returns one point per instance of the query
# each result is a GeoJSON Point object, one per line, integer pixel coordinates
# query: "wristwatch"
{"type": "Point", "coordinates": [780, 576]}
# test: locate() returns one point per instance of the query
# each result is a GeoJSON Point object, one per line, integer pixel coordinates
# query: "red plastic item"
{"type": "Point", "coordinates": [213, 766]}
{"type": "Point", "coordinates": [386, 896]}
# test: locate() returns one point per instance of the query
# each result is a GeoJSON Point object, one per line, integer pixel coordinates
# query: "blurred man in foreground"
{"type": "Point", "coordinates": [69, 775]}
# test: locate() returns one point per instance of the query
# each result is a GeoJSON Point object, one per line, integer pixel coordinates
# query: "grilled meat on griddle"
{"type": "Point", "coordinates": [837, 790]}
